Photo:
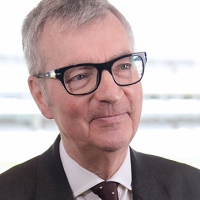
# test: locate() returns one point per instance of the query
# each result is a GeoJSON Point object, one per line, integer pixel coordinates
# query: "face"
{"type": "Point", "coordinates": [107, 119]}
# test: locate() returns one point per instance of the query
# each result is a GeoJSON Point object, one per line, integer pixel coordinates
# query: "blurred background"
{"type": "Point", "coordinates": [167, 30]}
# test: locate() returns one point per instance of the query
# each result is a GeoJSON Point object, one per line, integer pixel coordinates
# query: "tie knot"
{"type": "Point", "coordinates": [106, 190]}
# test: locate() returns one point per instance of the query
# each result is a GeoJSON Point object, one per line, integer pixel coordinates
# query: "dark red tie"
{"type": "Point", "coordinates": [106, 190]}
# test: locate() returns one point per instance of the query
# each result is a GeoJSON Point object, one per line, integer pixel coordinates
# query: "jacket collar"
{"type": "Point", "coordinates": [53, 184]}
{"type": "Point", "coordinates": [145, 184]}
{"type": "Point", "coordinates": [51, 179]}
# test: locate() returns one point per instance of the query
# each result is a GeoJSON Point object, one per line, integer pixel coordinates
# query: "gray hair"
{"type": "Point", "coordinates": [75, 13]}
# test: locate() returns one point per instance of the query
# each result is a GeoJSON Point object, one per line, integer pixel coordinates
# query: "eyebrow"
{"type": "Point", "coordinates": [121, 53]}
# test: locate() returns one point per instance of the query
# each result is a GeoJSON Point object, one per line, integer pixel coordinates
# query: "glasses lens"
{"type": "Point", "coordinates": [80, 79]}
{"type": "Point", "coordinates": [128, 70]}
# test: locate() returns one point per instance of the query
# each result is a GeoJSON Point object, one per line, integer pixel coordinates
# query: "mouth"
{"type": "Point", "coordinates": [109, 118]}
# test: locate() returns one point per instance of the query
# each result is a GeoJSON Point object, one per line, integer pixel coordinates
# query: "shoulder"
{"type": "Point", "coordinates": [20, 182]}
{"type": "Point", "coordinates": [19, 179]}
{"type": "Point", "coordinates": [175, 178]}
{"type": "Point", "coordinates": [42, 177]}
{"type": "Point", "coordinates": [159, 165]}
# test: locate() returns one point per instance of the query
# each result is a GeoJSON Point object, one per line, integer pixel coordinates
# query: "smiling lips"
{"type": "Point", "coordinates": [109, 118]}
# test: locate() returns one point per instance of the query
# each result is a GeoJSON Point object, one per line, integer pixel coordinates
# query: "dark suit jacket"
{"type": "Point", "coordinates": [153, 178]}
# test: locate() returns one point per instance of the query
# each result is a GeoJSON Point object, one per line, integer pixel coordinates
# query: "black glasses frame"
{"type": "Point", "coordinates": [59, 73]}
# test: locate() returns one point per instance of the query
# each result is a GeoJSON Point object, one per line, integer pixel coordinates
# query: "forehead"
{"type": "Point", "coordinates": [97, 42]}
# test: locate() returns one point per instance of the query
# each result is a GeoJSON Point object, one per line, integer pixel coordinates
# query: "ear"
{"type": "Point", "coordinates": [39, 96]}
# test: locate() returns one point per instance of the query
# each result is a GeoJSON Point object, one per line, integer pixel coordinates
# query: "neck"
{"type": "Point", "coordinates": [106, 164]}
{"type": "Point", "coordinates": [102, 163]}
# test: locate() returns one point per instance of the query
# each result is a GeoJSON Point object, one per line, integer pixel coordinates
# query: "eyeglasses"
{"type": "Point", "coordinates": [85, 78]}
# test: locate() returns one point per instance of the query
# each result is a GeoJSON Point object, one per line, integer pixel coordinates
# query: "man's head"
{"type": "Point", "coordinates": [105, 120]}
{"type": "Point", "coordinates": [72, 15]}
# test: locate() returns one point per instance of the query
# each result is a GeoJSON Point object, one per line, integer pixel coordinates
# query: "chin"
{"type": "Point", "coordinates": [114, 146]}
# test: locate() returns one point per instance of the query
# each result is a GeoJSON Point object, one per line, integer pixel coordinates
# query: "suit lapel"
{"type": "Point", "coordinates": [53, 184]}
{"type": "Point", "coordinates": [145, 184]}
{"type": "Point", "coordinates": [51, 179]}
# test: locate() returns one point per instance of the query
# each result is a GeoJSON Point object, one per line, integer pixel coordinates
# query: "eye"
{"type": "Point", "coordinates": [125, 66]}
{"type": "Point", "coordinates": [78, 77]}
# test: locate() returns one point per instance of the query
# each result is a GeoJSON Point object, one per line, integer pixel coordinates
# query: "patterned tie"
{"type": "Point", "coordinates": [106, 190]}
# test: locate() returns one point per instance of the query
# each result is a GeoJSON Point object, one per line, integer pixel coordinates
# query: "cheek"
{"type": "Point", "coordinates": [71, 117]}
{"type": "Point", "coordinates": [69, 112]}
{"type": "Point", "coordinates": [135, 97]}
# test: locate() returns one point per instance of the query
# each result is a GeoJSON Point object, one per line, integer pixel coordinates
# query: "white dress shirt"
{"type": "Point", "coordinates": [81, 180]}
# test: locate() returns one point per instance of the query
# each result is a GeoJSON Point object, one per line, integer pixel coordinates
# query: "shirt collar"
{"type": "Point", "coordinates": [88, 179]}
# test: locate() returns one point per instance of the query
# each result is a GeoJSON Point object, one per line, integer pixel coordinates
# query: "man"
{"type": "Point", "coordinates": [85, 74]}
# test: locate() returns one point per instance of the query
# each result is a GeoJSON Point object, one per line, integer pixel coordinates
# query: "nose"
{"type": "Point", "coordinates": [108, 90]}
